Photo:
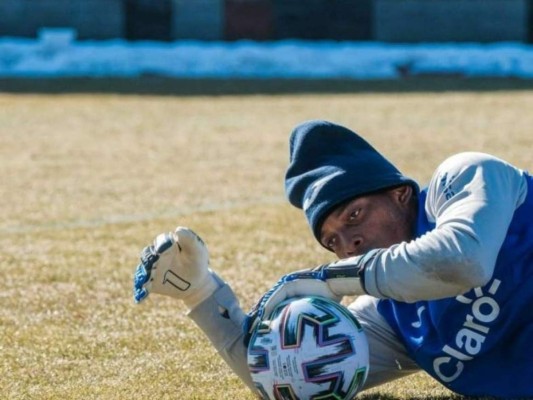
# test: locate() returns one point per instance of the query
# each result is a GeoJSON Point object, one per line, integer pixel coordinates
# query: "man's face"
{"type": "Point", "coordinates": [368, 222]}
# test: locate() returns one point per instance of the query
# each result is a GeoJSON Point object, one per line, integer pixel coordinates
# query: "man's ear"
{"type": "Point", "coordinates": [402, 194]}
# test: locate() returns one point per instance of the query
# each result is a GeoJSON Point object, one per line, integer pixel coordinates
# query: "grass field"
{"type": "Point", "coordinates": [89, 177]}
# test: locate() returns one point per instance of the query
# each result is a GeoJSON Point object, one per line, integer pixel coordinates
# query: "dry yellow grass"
{"type": "Point", "coordinates": [89, 179]}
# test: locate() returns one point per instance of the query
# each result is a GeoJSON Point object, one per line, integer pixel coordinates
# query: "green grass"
{"type": "Point", "coordinates": [89, 177]}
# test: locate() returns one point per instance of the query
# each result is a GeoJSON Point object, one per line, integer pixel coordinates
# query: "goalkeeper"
{"type": "Point", "coordinates": [443, 275]}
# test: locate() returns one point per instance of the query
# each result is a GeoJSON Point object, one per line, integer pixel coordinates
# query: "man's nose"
{"type": "Point", "coordinates": [352, 245]}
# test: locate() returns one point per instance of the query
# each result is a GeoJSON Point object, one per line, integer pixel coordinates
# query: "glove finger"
{"type": "Point", "coordinates": [261, 311]}
{"type": "Point", "coordinates": [187, 238]}
{"type": "Point", "coordinates": [278, 293]}
{"type": "Point", "coordinates": [190, 243]}
{"type": "Point", "coordinates": [140, 295]}
{"type": "Point", "coordinates": [143, 272]}
{"type": "Point", "coordinates": [274, 299]}
{"type": "Point", "coordinates": [305, 282]}
{"type": "Point", "coordinates": [292, 289]}
{"type": "Point", "coordinates": [140, 282]}
{"type": "Point", "coordinates": [141, 276]}
{"type": "Point", "coordinates": [162, 243]}
{"type": "Point", "coordinates": [149, 257]}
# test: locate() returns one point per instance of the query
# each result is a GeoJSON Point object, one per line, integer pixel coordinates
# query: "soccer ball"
{"type": "Point", "coordinates": [309, 348]}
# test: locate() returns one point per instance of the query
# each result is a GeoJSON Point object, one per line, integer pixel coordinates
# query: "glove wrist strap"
{"type": "Point", "coordinates": [347, 277]}
{"type": "Point", "coordinates": [205, 289]}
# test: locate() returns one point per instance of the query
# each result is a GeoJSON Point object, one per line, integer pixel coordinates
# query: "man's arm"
{"type": "Point", "coordinates": [221, 319]}
{"type": "Point", "coordinates": [177, 265]}
{"type": "Point", "coordinates": [471, 199]}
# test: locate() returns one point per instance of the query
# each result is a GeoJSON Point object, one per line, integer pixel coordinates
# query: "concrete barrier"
{"type": "Point", "coordinates": [94, 19]}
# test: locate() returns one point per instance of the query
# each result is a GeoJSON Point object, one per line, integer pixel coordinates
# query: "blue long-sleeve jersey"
{"type": "Point", "coordinates": [479, 342]}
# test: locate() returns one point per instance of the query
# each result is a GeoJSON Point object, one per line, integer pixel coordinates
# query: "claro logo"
{"type": "Point", "coordinates": [470, 338]}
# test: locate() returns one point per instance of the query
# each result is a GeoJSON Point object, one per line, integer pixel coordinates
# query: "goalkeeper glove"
{"type": "Point", "coordinates": [175, 265]}
{"type": "Point", "coordinates": [333, 281]}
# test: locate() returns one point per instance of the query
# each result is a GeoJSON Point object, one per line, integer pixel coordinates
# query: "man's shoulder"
{"type": "Point", "coordinates": [464, 166]}
{"type": "Point", "coordinates": [470, 159]}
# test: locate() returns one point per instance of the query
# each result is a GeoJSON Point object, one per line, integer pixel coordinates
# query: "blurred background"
{"type": "Point", "coordinates": [404, 21]}
{"type": "Point", "coordinates": [326, 39]}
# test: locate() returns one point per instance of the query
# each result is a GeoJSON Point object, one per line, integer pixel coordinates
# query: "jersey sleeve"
{"type": "Point", "coordinates": [471, 199]}
{"type": "Point", "coordinates": [221, 319]}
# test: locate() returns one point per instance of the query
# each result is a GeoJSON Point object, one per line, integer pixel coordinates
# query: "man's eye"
{"type": "Point", "coordinates": [354, 214]}
{"type": "Point", "coordinates": [331, 243]}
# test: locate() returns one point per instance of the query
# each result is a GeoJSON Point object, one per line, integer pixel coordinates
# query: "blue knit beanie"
{"type": "Point", "coordinates": [330, 164]}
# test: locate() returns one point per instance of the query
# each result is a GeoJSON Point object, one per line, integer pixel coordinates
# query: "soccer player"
{"type": "Point", "coordinates": [443, 275]}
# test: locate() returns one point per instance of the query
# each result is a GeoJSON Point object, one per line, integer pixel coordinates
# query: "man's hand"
{"type": "Point", "coordinates": [333, 281]}
{"type": "Point", "coordinates": [175, 265]}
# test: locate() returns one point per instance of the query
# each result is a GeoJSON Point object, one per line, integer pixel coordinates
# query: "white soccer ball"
{"type": "Point", "coordinates": [309, 348]}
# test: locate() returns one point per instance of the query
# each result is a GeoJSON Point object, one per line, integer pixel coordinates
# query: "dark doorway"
{"type": "Point", "coordinates": [530, 21]}
{"type": "Point", "coordinates": [323, 19]}
{"type": "Point", "coordinates": [148, 19]}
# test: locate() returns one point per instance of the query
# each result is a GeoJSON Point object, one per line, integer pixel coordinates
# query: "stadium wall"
{"type": "Point", "coordinates": [451, 20]}
{"type": "Point", "coordinates": [407, 21]}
